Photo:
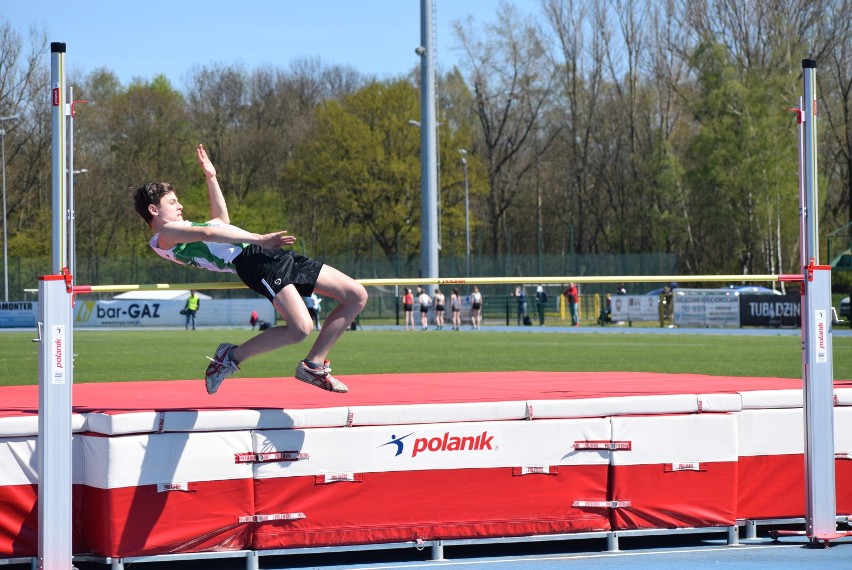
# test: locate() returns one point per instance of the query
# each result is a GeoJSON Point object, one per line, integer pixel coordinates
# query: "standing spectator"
{"type": "Point", "coordinates": [193, 303]}
{"type": "Point", "coordinates": [606, 311]}
{"type": "Point", "coordinates": [439, 309]}
{"type": "Point", "coordinates": [521, 297]}
{"type": "Point", "coordinates": [425, 302]}
{"type": "Point", "coordinates": [620, 290]}
{"type": "Point", "coordinates": [408, 308]}
{"type": "Point", "coordinates": [313, 304]}
{"type": "Point", "coordinates": [541, 303]}
{"type": "Point", "coordinates": [455, 308]}
{"type": "Point", "coordinates": [253, 319]}
{"type": "Point", "coordinates": [666, 300]}
{"type": "Point", "coordinates": [475, 308]}
{"type": "Point", "coordinates": [572, 294]}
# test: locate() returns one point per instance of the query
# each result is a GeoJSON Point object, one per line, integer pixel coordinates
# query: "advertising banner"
{"type": "Point", "coordinates": [166, 313]}
{"type": "Point", "coordinates": [635, 308]}
{"type": "Point", "coordinates": [18, 314]}
{"type": "Point", "coordinates": [771, 310]}
{"type": "Point", "coordinates": [706, 308]}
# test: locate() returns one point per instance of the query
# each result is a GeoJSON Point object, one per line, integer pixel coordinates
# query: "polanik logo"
{"type": "Point", "coordinates": [448, 442]}
{"type": "Point", "coordinates": [397, 441]}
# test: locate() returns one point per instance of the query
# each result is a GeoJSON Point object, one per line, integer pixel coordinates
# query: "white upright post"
{"type": "Point", "coordinates": [54, 424]}
{"type": "Point", "coordinates": [57, 95]}
{"type": "Point", "coordinates": [817, 371]}
{"type": "Point", "coordinates": [69, 173]}
{"type": "Point", "coordinates": [55, 361]}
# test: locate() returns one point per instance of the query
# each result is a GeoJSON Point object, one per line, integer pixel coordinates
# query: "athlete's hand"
{"type": "Point", "coordinates": [276, 240]}
{"type": "Point", "coordinates": [204, 162]}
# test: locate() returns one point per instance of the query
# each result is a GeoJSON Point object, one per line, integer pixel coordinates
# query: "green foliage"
{"type": "Point", "coordinates": [739, 170]}
{"type": "Point", "coordinates": [359, 171]}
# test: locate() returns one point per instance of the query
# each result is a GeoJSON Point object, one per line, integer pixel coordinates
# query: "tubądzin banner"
{"type": "Point", "coordinates": [771, 310]}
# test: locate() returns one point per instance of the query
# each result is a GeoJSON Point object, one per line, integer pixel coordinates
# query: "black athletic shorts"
{"type": "Point", "coordinates": [268, 271]}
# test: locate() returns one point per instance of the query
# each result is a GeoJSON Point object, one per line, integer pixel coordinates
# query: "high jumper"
{"type": "Point", "coordinates": [282, 276]}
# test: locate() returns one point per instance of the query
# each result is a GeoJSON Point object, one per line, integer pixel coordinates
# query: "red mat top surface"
{"type": "Point", "coordinates": [384, 389]}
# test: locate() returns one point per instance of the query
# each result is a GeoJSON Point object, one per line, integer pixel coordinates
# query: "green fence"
{"type": "Point", "coordinates": [383, 302]}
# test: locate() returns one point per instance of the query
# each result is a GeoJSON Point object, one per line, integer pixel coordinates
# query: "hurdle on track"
{"type": "Point", "coordinates": [56, 334]}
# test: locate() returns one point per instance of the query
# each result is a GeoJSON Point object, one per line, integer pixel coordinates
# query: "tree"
{"type": "Point", "coordinates": [23, 73]}
{"type": "Point", "coordinates": [357, 178]}
{"type": "Point", "coordinates": [837, 110]}
{"type": "Point", "coordinates": [512, 86]}
{"type": "Point", "coordinates": [734, 172]}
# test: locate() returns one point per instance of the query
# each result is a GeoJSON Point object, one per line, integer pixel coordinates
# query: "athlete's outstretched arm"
{"type": "Point", "coordinates": [218, 208]}
{"type": "Point", "coordinates": [174, 233]}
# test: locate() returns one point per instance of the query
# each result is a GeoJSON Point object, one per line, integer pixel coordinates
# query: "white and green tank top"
{"type": "Point", "coordinates": [204, 254]}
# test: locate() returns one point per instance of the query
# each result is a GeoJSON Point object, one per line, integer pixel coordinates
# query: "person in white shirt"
{"type": "Point", "coordinates": [425, 302]}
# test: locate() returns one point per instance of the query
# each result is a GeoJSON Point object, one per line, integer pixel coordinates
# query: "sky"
{"type": "Point", "coordinates": [144, 38]}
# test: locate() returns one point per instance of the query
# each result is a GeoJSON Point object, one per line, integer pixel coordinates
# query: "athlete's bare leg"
{"type": "Point", "coordinates": [352, 298]}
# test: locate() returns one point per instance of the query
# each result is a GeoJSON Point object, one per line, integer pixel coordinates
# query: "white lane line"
{"type": "Point", "coordinates": [620, 554]}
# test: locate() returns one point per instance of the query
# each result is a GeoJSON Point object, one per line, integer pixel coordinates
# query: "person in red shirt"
{"type": "Point", "coordinates": [408, 308]}
{"type": "Point", "coordinates": [572, 294]}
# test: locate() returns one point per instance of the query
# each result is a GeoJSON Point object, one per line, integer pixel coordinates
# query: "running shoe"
{"type": "Point", "coordinates": [220, 367]}
{"type": "Point", "coordinates": [320, 377]}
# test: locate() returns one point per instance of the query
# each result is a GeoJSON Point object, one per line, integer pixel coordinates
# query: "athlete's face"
{"type": "Point", "coordinates": [169, 210]}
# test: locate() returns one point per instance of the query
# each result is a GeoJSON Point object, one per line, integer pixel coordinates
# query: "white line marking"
{"type": "Point", "coordinates": [619, 554]}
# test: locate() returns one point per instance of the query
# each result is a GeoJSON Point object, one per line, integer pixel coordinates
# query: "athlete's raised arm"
{"type": "Point", "coordinates": [218, 208]}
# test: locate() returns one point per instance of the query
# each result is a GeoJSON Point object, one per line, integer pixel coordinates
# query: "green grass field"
{"type": "Point", "coordinates": [131, 355]}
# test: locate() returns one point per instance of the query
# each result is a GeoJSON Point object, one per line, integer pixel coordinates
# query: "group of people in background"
{"type": "Point", "coordinates": [438, 303]}
{"type": "Point", "coordinates": [540, 303]}
{"type": "Point", "coordinates": [572, 299]}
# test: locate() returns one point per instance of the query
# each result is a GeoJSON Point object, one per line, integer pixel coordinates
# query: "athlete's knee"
{"type": "Point", "coordinates": [357, 296]}
{"type": "Point", "coordinates": [302, 328]}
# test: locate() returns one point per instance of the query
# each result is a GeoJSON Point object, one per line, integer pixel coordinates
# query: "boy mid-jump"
{"type": "Point", "coordinates": [282, 276]}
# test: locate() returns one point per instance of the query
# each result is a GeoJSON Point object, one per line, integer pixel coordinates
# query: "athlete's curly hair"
{"type": "Point", "coordinates": [148, 194]}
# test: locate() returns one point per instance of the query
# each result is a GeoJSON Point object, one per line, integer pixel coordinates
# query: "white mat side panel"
{"type": "Point", "coordinates": [772, 464]}
{"type": "Point", "coordinates": [614, 406]}
{"type": "Point", "coordinates": [214, 420]}
{"type": "Point", "coordinates": [468, 445]}
{"type": "Point", "coordinates": [764, 399]}
{"type": "Point", "coordinates": [399, 483]}
{"type": "Point", "coordinates": [165, 493]}
{"type": "Point", "coordinates": [437, 413]}
{"type": "Point", "coordinates": [681, 471]}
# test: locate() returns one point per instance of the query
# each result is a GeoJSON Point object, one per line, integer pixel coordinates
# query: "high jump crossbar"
{"type": "Point", "coordinates": [792, 278]}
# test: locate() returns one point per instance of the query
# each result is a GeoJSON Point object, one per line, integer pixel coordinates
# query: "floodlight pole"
{"type": "Point", "coordinates": [5, 232]}
{"type": "Point", "coordinates": [428, 147]}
